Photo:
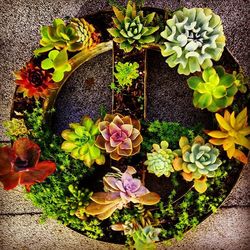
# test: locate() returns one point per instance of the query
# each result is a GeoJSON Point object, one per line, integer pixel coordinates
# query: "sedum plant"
{"type": "Point", "coordinates": [241, 82]}
{"type": "Point", "coordinates": [57, 60]}
{"type": "Point", "coordinates": [75, 36]}
{"type": "Point", "coordinates": [126, 73]}
{"type": "Point", "coordinates": [132, 29]}
{"type": "Point", "coordinates": [16, 128]}
{"type": "Point", "coordinates": [80, 142]}
{"type": "Point", "coordinates": [233, 130]}
{"type": "Point", "coordinates": [159, 162]}
{"type": "Point", "coordinates": [214, 89]}
{"type": "Point", "coordinates": [120, 136]}
{"type": "Point", "coordinates": [192, 38]}
{"type": "Point", "coordinates": [120, 190]}
{"type": "Point", "coordinates": [197, 161]}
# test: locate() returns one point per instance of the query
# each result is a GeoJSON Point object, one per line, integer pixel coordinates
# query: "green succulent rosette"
{"type": "Point", "coordinates": [192, 39]}
{"type": "Point", "coordinates": [159, 162]}
{"type": "Point", "coordinates": [145, 238]}
{"type": "Point", "coordinates": [80, 142]}
{"type": "Point", "coordinates": [132, 29]}
{"type": "Point", "coordinates": [202, 160]}
{"type": "Point", "coordinates": [214, 89]}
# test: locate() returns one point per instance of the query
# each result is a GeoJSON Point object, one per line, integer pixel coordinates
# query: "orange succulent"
{"type": "Point", "coordinates": [120, 136]}
{"type": "Point", "coordinates": [233, 130]}
{"type": "Point", "coordinates": [34, 81]}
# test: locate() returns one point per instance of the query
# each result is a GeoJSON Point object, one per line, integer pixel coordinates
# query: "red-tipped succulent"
{"type": "Point", "coordinates": [34, 81]}
{"type": "Point", "coordinates": [120, 136]}
{"type": "Point", "coordinates": [19, 165]}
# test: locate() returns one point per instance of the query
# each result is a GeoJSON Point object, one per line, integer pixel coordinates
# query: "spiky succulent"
{"type": "Point", "coordinates": [119, 192]}
{"type": "Point", "coordinates": [233, 130]}
{"type": "Point", "coordinates": [126, 73]}
{"type": "Point", "coordinates": [75, 36]}
{"type": "Point", "coordinates": [159, 162]}
{"type": "Point", "coordinates": [80, 142]}
{"type": "Point", "coordinates": [57, 60]}
{"type": "Point", "coordinates": [33, 81]}
{"type": "Point", "coordinates": [214, 90]}
{"type": "Point", "coordinates": [193, 37]}
{"type": "Point", "coordinates": [132, 29]}
{"type": "Point", "coordinates": [145, 238]}
{"type": "Point", "coordinates": [120, 136]}
{"type": "Point", "coordinates": [197, 162]}
{"type": "Point", "coordinates": [87, 36]}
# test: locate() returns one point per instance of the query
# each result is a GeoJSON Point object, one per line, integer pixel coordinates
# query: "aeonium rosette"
{"type": "Point", "coordinates": [34, 82]}
{"type": "Point", "coordinates": [20, 164]}
{"type": "Point", "coordinates": [119, 191]}
{"type": "Point", "coordinates": [120, 136]}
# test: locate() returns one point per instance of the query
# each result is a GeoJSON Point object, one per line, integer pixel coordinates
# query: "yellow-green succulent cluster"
{"type": "Point", "coordinates": [159, 162]}
{"type": "Point", "coordinates": [214, 89]}
{"type": "Point", "coordinates": [15, 128]}
{"type": "Point", "coordinates": [197, 161]}
{"type": "Point", "coordinates": [80, 142]}
{"type": "Point", "coordinates": [193, 38]}
{"type": "Point", "coordinates": [74, 36]}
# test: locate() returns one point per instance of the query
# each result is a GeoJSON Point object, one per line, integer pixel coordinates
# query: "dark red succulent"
{"type": "Point", "coordinates": [34, 81]}
{"type": "Point", "coordinates": [19, 165]}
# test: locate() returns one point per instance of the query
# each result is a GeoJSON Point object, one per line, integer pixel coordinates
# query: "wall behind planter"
{"type": "Point", "coordinates": [19, 24]}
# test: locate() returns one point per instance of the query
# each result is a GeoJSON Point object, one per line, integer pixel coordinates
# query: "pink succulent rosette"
{"type": "Point", "coordinates": [118, 193]}
{"type": "Point", "coordinates": [19, 165]}
{"type": "Point", "coordinates": [120, 136]}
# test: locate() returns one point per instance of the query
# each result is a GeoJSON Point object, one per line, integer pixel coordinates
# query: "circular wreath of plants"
{"type": "Point", "coordinates": [121, 178]}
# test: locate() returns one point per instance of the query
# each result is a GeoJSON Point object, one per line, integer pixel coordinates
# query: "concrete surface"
{"type": "Point", "coordinates": [19, 24]}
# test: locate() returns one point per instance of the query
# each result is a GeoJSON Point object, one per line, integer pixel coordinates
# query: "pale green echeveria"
{"type": "Point", "coordinates": [145, 238]}
{"type": "Point", "coordinates": [159, 162]}
{"type": "Point", "coordinates": [193, 38]}
{"type": "Point", "coordinates": [80, 142]}
{"type": "Point", "coordinates": [202, 160]}
{"type": "Point", "coordinates": [57, 60]}
{"type": "Point", "coordinates": [132, 29]}
{"type": "Point", "coordinates": [214, 89]}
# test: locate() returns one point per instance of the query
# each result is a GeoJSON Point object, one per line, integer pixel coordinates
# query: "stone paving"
{"type": "Point", "coordinates": [19, 220]}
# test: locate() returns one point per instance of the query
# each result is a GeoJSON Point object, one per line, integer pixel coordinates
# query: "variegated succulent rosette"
{"type": "Point", "coordinates": [99, 172]}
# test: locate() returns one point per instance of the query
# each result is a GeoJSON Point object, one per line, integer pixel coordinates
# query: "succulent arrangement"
{"type": "Point", "coordinates": [132, 29]}
{"type": "Point", "coordinates": [197, 161]}
{"type": "Point", "coordinates": [195, 174]}
{"type": "Point", "coordinates": [192, 39]}
{"type": "Point", "coordinates": [215, 90]}
{"type": "Point", "coordinates": [159, 162]}
{"type": "Point", "coordinates": [80, 142]}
